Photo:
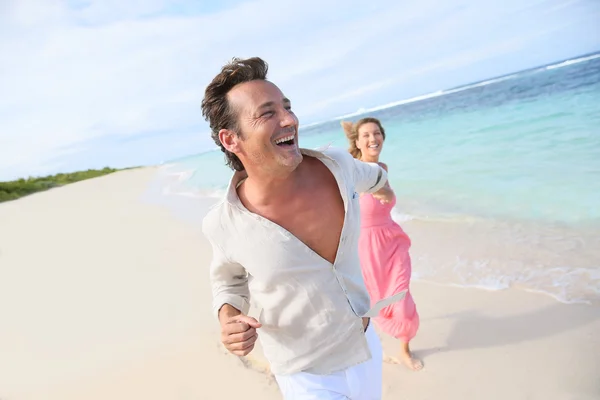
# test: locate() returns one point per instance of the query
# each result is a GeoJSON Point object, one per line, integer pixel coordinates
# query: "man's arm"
{"type": "Point", "coordinates": [369, 177]}
{"type": "Point", "coordinates": [229, 283]}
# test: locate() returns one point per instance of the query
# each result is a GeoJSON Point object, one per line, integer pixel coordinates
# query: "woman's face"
{"type": "Point", "coordinates": [370, 140]}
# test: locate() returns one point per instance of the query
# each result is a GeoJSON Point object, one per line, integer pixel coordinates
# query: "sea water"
{"type": "Point", "coordinates": [498, 182]}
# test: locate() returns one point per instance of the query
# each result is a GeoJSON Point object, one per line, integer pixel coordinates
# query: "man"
{"type": "Point", "coordinates": [286, 235]}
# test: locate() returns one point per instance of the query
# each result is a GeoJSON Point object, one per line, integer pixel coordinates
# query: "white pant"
{"type": "Point", "coordinates": [360, 382]}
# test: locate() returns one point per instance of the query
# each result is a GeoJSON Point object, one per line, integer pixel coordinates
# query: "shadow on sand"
{"type": "Point", "coordinates": [473, 329]}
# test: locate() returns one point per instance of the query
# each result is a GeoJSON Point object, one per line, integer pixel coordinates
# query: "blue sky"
{"type": "Point", "coordinates": [89, 83]}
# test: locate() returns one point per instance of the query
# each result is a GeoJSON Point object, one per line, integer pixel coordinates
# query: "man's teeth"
{"type": "Point", "coordinates": [284, 139]}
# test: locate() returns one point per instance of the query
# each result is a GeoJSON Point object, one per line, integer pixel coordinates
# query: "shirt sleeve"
{"type": "Point", "coordinates": [368, 177]}
{"type": "Point", "coordinates": [229, 282]}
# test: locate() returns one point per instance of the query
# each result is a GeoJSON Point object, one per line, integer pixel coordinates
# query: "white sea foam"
{"type": "Point", "coordinates": [573, 61]}
{"type": "Point", "coordinates": [527, 271]}
{"type": "Point", "coordinates": [580, 288]}
{"type": "Point", "coordinates": [438, 93]}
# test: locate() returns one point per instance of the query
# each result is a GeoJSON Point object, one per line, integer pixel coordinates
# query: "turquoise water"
{"type": "Point", "coordinates": [538, 159]}
{"type": "Point", "coordinates": [517, 151]}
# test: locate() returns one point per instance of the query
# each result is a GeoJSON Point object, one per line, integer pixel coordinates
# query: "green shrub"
{"type": "Point", "coordinates": [22, 187]}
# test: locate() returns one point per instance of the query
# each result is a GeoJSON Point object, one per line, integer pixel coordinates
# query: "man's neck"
{"type": "Point", "coordinates": [263, 189]}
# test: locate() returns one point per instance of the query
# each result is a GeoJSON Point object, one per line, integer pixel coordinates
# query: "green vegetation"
{"type": "Point", "coordinates": [22, 187]}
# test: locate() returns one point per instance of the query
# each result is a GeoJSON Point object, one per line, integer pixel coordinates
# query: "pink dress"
{"type": "Point", "coordinates": [385, 261]}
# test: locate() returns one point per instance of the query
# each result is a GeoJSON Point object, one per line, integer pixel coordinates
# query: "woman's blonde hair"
{"type": "Point", "coordinates": [351, 131]}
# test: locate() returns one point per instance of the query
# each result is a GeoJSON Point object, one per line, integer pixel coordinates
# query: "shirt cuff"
{"type": "Point", "coordinates": [233, 300]}
{"type": "Point", "coordinates": [381, 182]}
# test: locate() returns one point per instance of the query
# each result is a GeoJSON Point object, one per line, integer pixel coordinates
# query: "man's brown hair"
{"type": "Point", "coordinates": [215, 105]}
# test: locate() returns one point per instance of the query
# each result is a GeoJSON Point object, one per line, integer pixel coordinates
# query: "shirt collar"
{"type": "Point", "coordinates": [238, 176]}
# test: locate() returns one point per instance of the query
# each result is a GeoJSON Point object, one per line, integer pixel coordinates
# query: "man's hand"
{"type": "Point", "coordinates": [238, 331]}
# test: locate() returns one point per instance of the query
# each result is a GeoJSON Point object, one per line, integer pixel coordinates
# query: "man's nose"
{"type": "Point", "coordinates": [288, 118]}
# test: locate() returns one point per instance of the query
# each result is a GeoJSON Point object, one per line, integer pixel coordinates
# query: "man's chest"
{"type": "Point", "coordinates": [315, 220]}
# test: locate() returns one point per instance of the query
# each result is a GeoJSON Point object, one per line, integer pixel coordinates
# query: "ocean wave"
{"type": "Point", "coordinates": [559, 261]}
{"type": "Point", "coordinates": [427, 96]}
{"type": "Point", "coordinates": [565, 285]}
{"type": "Point", "coordinates": [572, 61]}
{"type": "Point", "coordinates": [362, 111]}
{"type": "Point", "coordinates": [454, 264]}
{"type": "Point", "coordinates": [527, 269]}
{"type": "Point", "coordinates": [438, 93]}
{"type": "Point", "coordinates": [180, 160]}
{"type": "Point", "coordinates": [175, 189]}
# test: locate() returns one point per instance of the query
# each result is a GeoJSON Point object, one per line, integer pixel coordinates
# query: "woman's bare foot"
{"type": "Point", "coordinates": [405, 358]}
{"type": "Point", "coordinates": [408, 359]}
{"type": "Point", "coordinates": [412, 363]}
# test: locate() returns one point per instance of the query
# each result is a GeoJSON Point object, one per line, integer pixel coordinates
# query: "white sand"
{"type": "Point", "coordinates": [105, 296]}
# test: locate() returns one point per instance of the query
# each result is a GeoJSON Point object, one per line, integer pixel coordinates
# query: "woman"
{"type": "Point", "coordinates": [384, 246]}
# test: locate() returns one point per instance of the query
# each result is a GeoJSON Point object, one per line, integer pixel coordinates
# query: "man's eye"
{"type": "Point", "coordinates": [267, 114]}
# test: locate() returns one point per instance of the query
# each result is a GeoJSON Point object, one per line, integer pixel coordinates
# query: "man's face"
{"type": "Point", "coordinates": [268, 129]}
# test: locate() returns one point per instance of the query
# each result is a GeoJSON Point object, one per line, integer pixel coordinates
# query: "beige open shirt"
{"type": "Point", "coordinates": [310, 309]}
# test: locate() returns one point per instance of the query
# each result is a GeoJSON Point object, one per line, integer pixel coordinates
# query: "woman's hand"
{"type": "Point", "coordinates": [385, 194]}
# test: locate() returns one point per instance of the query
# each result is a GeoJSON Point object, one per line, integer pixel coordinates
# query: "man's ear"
{"type": "Point", "coordinates": [229, 139]}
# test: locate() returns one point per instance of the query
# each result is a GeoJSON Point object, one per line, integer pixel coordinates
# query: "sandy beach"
{"type": "Point", "coordinates": [105, 295]}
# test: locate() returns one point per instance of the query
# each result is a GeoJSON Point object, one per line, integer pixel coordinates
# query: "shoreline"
{"type": "Point", "coordinates": [485, 253]}
{"type": "Point", "coordinates": [105, 295]}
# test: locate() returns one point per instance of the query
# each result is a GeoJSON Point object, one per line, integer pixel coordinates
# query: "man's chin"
{"type": "Point", "coordinates": [292, 159]}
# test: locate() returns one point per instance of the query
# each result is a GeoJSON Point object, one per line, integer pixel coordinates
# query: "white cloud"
{"type": "Point", "coordinates": [116, 68]}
